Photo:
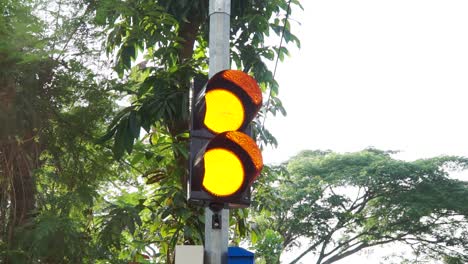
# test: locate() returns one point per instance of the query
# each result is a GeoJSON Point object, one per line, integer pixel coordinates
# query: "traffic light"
{"type": "Point", "coordinates": [224, 159]}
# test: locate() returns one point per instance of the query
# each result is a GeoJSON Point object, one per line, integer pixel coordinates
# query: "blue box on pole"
{"type": "Point", "coordinates": [238, 255]}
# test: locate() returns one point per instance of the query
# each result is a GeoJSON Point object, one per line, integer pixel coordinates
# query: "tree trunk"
{"type": "Point", "coordinates": [19, 157]}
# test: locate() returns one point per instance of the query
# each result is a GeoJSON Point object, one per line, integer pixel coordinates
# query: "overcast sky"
{"type": "Point", "coordinates": [389, 74]}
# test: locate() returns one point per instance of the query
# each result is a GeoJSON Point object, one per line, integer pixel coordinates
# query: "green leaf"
{"type": "Point", "coordinates": [109, 134]}
{"type": "Point", "coordinates": [119, 141]}
{"type": "Point", "coordinates": [149, 154]}
{"type": "Point", "coordinates": [134, 124]}
{"type": "Point", "coordinates": [127, 55]}
{"type": "Point", "coordinates": [128, 140]}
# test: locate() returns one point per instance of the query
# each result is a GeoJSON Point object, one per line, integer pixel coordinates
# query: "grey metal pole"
{"type": "Point", "coordinates": [220, 25]}
{"type": "Point", "coordinates": [217, 223]}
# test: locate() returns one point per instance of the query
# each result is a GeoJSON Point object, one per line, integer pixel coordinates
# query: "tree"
{"type": "Point", "coordinates": [344, 203]}
{"type": "Point", "coordinates": [52, 107]}
{"type": "Point", "coordinates": [18, 145]}
{"type": "Point", "coordinates": [159, 47]}
{"type": "Point", "coordinates": [68, 193]}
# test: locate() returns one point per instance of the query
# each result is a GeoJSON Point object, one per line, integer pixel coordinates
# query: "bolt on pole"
{"type": "Point", "coordinates": [217, 221]}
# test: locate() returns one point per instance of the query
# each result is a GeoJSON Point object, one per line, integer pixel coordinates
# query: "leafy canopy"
{"type": "Point", "coordinates": [344, 203]}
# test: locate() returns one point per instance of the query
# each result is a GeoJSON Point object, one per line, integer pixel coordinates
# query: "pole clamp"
{"type": "Point", "coordinates": [220, 6]}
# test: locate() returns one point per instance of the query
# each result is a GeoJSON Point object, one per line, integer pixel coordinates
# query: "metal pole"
{"type": "Point", "coordinates": [217, 222]}
{"type": "Point", "coordinates": [220, 15]}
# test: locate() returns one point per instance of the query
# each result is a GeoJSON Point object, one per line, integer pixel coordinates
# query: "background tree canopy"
{"type": "Point", "coordinates": [341, 204]}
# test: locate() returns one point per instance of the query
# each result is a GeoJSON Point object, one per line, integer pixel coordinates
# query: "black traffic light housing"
{"type": "Point", "coordinates": [209, 138]}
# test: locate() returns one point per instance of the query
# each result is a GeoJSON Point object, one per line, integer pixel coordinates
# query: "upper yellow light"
{"type": "Point", "coordinates": [224, 172]}
{"type": "Point", "coordinates": [224, 111]}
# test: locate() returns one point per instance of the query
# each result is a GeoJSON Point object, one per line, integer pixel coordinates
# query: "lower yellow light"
{"type": "Point", "coordinates": [224, 173]}
{"type": "Point", "coordinates": [224, 111]}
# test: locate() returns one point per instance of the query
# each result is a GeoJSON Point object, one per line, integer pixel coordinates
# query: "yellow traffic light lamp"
{"type": "Point", "coordinates": [232, 99]}
{"type": "Point", "coordinates": [224, 159]}
{"type": "Point", "coordinates": [228, 102]}
{"type": "Point", "coordinates": [230, 161]}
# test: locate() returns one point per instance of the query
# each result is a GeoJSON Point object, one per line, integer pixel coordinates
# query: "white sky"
{"type": "Point", "coordinates": [389, 74]}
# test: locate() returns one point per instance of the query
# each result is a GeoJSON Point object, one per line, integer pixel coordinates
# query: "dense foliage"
{"type": "Point", "coordinates": [341, 204]}
{"type": "Point", "coordinates": [84, 180]}
{"type": "Point", "coordinates": [52, 107]}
